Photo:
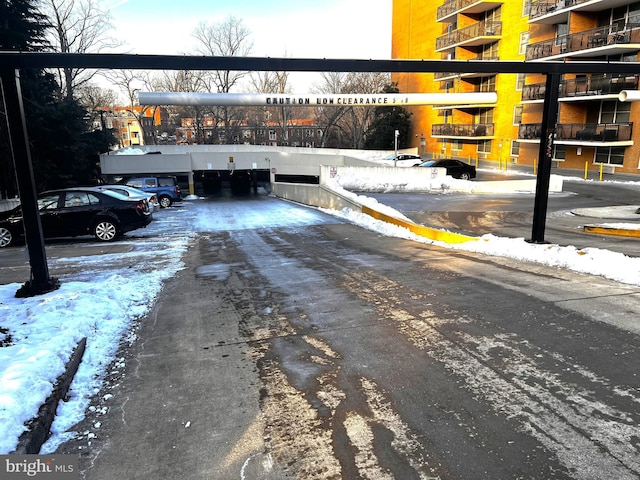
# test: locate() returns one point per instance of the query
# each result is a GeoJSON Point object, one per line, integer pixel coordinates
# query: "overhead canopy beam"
{"type": "Point", "coordinates": [37, 60]}
{"type": "Point", "coordinates": [12, 61]}
{"type": "Point", "coordinates": [335, 100]}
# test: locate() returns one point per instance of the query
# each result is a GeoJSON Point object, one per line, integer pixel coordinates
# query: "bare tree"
{"type": "Point", "coordinates": [346, 126]}
{"type": "Point", "coordinates": [97, 102]}
{"type": "Point", "coordinates": [130, 83]}
{"type": "Point", "coordinates": [184, 81]}
{"type": "Point", "coordinates": [77, 26]}
{"type": "Point", "coordinates": [229, 38]}
{"type": "Point", "coordinates": [274, 82]}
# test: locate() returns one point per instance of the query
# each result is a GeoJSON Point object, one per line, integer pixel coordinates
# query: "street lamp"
{"type": "Point", "coordinates": [395, 158]}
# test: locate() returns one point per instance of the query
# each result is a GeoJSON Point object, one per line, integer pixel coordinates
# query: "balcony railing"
{"type": "Point", "coordinates": [471, 35]}
{"type": "Point", "coordinates": [464, 130]}
{"type": "Point", "coordinates": [610, 35]}
{"type": "Point", "coordinates": [541, 8]}
{"type": "Point", "coordinates": [458, 6]}
{"type": "Point", "coordinates": [584, 86]}
{"type": "Point", "coordinates": [535, 91]}
{"type": "Point", "coordinates": [597, 85]}
{"type": "Point", "coordinates": [480, 57]}
{"type": "Point", "coordinates": [582, 132]}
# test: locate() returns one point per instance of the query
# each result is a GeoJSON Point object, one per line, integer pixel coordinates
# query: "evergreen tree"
{"type": "Point", "coordinates": [381, 133]}
{"type": "Point", "coordinates": [64, 150]}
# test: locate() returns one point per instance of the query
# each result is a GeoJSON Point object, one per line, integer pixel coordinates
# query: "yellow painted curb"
{"type": "Point", "coordinates": [427, 232]}
{"type": "Point", "coordinates": [621, 232]}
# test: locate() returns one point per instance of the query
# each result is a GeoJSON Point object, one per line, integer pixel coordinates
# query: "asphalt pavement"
{"type": "Point", "coordinates": [322, 353]}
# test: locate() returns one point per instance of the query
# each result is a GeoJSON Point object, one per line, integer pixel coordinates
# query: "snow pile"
{"type": "Point", "coordinates": [45, 329]}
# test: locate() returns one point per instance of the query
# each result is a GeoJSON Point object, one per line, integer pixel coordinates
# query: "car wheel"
{"type": "Point", "coordinates": [105, 230]}
{"type": "Point", "coordinates": [6, 238]}
{"type": "Point", "coordinates": [165, 201]}
{"type": "Point", "coordinates": [465, 176]}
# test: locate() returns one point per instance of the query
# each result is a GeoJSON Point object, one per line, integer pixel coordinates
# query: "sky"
{"type": "Point", "coordinates": [280, 28]}
{"type": "Point", "coordinates": [103, 304]}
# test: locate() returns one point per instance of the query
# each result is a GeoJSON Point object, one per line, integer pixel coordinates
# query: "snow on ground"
{"type": "Point", "coordinates": [43, 330]}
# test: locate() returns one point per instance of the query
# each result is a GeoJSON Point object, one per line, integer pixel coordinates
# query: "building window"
{"type": "Point", "coordinates": [524, 41]}
{"type": "Point", "coordinates": [488, 84]}
{"type": "Point", "coordinates": [526, 8]}
{"type": "Point", "coordinates": [456, 144]}
{"type": "Point", "coordinates": [272, 135]}
{"type": "Point", "coordinates": [484, 146]}
{"type": "Point", "coordinates": [559, 153]}
{"type": "Point", "coordinates": [610, 155]}
{"type": "Point", "coordinates": [515, 148]}
{"type": "Point", "coordinates": [615, 112]}
{"type": "Point", "coordinates": [484, 115]}
{"type": "Point", "coordinates": [517, 114]}
{"type": "Point", "coordinates": [520, 81]}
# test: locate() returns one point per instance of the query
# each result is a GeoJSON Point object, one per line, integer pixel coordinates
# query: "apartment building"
{"type": "Point", "coordinates": [130, 129]}
{"type": "Point", "coordinates": [298, 133]}
{"type": "Point", "coordinates": [593, 128]}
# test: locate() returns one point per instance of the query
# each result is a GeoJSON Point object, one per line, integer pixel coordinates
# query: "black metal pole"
{"type": "Point", "coordinates": [548, 131]}
{"type": "Point", "coordinates": [40, 281]}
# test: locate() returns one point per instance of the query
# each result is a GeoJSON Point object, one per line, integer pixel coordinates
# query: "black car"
{"type": "Point", "coordinates": [79, 211]}
{"type": "Point", "coordinates": [455, 168]}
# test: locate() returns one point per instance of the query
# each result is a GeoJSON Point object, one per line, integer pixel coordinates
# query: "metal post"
{"type": "Point", "coordinates": [40, 281]}
{"type": "Point", "coordinates": [395, 143]}
{"type": "Point", "coordinates": [549, 119]}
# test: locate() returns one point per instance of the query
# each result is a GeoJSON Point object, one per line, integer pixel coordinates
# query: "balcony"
{"type": "Point", "coordinates": [441, 76]}
{"type": "Point", "coordinates": [608, 134]}
{"type": "Point", "coordinates": [557, 11]}
{"type": "Point", "coordinates": [462, 130]}
{"type": "Point", "coordinates": [480, 33]}
{"type": "Point", "coordinates": [607, 40]}
{"type": "Point", "coordinates": [534, 92]}
{"type": "Point", "coordinates": [451, 8]}
{"type": "Point", "coordinates": [581, 88]}
{"type": "Point", "coordinates": [597, 86]}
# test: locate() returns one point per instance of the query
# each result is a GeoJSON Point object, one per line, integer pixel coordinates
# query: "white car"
{"type": "Point", "coordinates": [134, 193]}
{"type": "Point", "coordinates": [403, 160]}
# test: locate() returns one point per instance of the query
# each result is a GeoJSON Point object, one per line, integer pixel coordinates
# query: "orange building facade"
{"type": "Point", "coordinates": [594, 129]}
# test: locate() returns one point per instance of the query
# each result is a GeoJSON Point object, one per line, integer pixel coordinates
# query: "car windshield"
{"type": "Point", "coordinates": [429, 163]}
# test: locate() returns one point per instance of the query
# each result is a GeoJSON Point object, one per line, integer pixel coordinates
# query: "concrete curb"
{"type": "Point", "coordinates": [427, 232]}
{"type": "Point", "coordinates": [620, 232]}
{"type": "Point", "coordinates": [38, 428]}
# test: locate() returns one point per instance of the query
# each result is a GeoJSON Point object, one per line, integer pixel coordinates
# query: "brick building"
{"type": "Point", "coordinates": [593, 127]}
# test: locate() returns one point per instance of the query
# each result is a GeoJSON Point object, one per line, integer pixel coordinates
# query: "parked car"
{"type": "Point", "coordinates": [403, 160]}
{"type": "Point", "coordinates": [166, 188]}
{"type": "Point", "coordinates": [131, 192]}
{"type": "Point", "coordinates": [455, 168]}
{"type": "Point", "coordinates": [79, 211]}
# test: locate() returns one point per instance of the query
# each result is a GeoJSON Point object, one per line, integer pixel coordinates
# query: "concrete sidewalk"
{"type": "Point", "coordinates": [191, 355]}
